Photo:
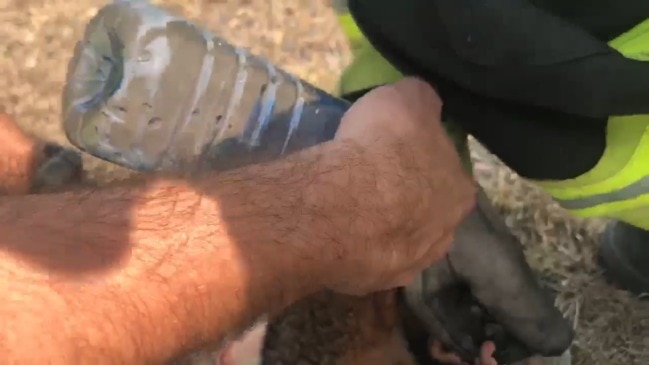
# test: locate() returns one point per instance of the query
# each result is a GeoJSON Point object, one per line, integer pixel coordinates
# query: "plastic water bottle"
{"type": "Point", "coordinates": [151, 91]}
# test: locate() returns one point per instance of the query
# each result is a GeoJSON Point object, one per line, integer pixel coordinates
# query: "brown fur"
{"type": "Point", "coordinates": [334, 329]}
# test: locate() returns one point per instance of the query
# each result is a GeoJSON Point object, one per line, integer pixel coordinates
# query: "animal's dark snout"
{"type": "Point", "coordinates": [486, 291]}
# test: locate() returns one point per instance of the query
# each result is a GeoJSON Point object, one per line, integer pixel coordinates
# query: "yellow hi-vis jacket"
{"type": "Point", "coordinates": [617, 187]}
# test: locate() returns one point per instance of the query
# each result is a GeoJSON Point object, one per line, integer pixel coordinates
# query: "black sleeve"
{"type": "Point", "coordinates": [506, 50]}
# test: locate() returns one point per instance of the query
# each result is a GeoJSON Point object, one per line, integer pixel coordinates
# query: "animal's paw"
{"type": "Point", "coordinates": [59, 167]}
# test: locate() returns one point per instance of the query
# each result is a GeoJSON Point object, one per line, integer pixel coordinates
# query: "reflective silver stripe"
{"type": "Point", "coordinates": [638, 188]}
{"type": "Point", "coordinates": [340, 6]}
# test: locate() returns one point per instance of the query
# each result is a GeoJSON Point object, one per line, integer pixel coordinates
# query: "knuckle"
{"type": "Point", "coordinates": [420, 91]}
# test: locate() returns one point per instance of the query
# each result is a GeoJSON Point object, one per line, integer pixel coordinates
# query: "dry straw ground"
{"type": "Point", "coordinates": [37, 37]}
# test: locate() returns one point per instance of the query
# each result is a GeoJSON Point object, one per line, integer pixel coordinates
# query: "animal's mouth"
{"type": "Point", "coordinates": [486, 292]}
{"type": "Point", "coordinates": [461, 324]}
{"type": "Point", "coordinates": [414, 333]}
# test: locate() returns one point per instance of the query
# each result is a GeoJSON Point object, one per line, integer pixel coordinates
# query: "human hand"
{"type": "Point", "coordinates": [408, 186]}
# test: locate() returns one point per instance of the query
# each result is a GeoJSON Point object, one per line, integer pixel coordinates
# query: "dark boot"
{"type": "Point", "coordinates": [624, 256]}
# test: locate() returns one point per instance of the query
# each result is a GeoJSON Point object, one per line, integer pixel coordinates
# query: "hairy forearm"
{"type": "Point", "coordinates": [137, 274]}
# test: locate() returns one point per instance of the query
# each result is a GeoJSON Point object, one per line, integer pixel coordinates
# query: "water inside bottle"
{"type": "Point", "coordinates": [151, 91]}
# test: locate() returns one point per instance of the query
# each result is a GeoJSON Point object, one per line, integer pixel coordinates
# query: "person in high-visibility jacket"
{"type": "Point", "coordinates": [558, 90]}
